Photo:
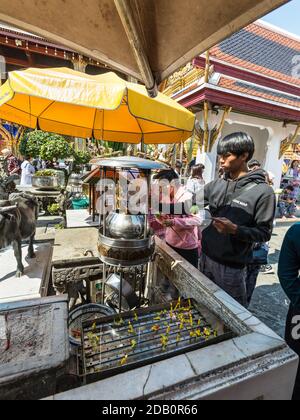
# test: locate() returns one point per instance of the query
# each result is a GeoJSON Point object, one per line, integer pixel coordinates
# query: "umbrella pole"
{"type": "Point", "coordinates": [143, 145]}
{"type": "Point", "coordinates": [125, 12]}
{"type": "Point", "coordinates": [181, 151]}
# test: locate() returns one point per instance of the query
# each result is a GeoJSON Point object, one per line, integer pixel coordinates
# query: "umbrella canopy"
{"type": "Point", "coordinates": [104, 107]}
{"type": "Point", "coordinates": [148, 39]}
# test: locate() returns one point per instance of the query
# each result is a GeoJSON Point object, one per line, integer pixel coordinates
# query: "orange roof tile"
{"type": "Point", "coordinates": [259, 92]}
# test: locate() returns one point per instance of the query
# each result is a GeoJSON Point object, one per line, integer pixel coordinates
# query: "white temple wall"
{"type": "Point", "coordinates": [267, 135]}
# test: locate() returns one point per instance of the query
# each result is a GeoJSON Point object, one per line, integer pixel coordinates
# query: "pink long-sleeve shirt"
{"type": "Point", "coordinates": [185, 234]}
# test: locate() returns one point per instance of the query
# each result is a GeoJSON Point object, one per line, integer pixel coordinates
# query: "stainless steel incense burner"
{"type": "Point", "coordinates": [125, 226]}
{"type": "Point", "coordinates": [125, 238]}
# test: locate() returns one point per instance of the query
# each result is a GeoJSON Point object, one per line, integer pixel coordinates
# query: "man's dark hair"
{"type": "Point", "coordinates": [166, 174]}
{"type": "Point", "coordinates": [197, 171]}
{"type": "Point", "coordinates": [192, 163]}
{"type": "Point", "coordinates": [237, 144]}
{"type": "Point", "coordinates": [290, 188]}
{"type": "Point", "coordinates": [179, 164]}
{"type": "Point", "coordinates": [254, 163]}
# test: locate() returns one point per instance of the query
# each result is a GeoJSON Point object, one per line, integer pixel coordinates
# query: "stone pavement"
{"type": "Point", "coordinates": [80, 219]}
{"type": "Point", "coordinates": [46, 228]}
{"type": "Point", "coordinates": [270, 304]}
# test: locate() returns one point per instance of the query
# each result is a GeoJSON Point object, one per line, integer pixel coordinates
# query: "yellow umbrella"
{"type": "Point", "coordinates": [104, 107]}
{"type": "Point", "coordinates": [148, 39]}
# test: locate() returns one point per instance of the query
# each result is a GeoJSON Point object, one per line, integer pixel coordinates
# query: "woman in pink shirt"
{"type": "Point", "coordinates": [182, 228]}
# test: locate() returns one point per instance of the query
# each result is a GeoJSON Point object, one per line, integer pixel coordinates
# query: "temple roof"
{"type": "Point", "coordinates": [27, 36]}
{"type": "Point", "coordinates": [263, 49]}
{"type": "Point", "coordinates": [259, 92]}
{"type": "Point", "coordinates": [21, 49]}
{"type": "Point", "coordinates": [256, 70]}
{"type": "Point", "coordinates": [13, 29]}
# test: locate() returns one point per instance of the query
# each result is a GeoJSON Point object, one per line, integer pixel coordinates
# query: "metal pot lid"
{"type": "Point", "coordinates": [75, 179]}
{"type": "Point", "coordinates": [84, 313]}
{"type": "Point", "coordinates": [129, 162]}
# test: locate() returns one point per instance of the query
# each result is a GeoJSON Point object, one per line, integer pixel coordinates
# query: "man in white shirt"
{"type": "Point", "coordinates": [27, 172]}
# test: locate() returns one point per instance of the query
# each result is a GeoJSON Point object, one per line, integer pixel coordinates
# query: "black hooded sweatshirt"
{"type": "Point", "coordinates": [248, 202]}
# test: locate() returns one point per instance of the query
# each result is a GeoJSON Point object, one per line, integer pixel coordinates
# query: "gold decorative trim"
{"type": "Point", "coordinates": [288, 141]}
{"type": "Point", "coordinates": [185, 77]}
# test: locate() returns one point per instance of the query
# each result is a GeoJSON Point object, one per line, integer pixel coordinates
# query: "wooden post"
{"type": "Point", "coordinates": [215, 136]}
{"type": "Point", "coordinates": [163, 86]}
{"type": "Point", "coordinates": [135, 39]}
{"type": "Point", "coordinates": [206, 116]}
{"type": "Point", "coordinates": [90, 199]}
{"type": "Point", "coordinates": [94, 202]}
{"type": "Point", "coordinates": [181, 151]}
{"type": "Point", "coordinates": [206, 128]}
{"type": "Point", "coordinates": [80, 63]}
{"type": "Point", "coordinates": [174, 156]}
{"type": "Point", "coordinates": [207, 67]}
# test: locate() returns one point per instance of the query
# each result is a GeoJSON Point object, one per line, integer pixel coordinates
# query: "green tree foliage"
{"type": "Point", "coordinates": [82, 158]}
{"type": "Point", "coordinates": [23, 142]}
{"type": "Point", "coordinates": [115, 147]}
{"type": "Point", "coordinates": [53, 209]}
{"type": "Point", "coordinates": [35, 141]}
{"type": "Point", "coordinates": [55, 148]}
{"type": "Point", "coordinates": [48, 146]}
{"type": "Point", "coordinates": [46, 172]}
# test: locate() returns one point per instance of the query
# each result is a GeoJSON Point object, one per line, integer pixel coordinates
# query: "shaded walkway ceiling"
{"type": "Point", "coordinates": [148, 40]}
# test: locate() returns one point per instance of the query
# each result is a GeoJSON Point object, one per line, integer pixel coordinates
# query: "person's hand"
{"type": "Point", "coordinates": [168, 223]}
{"type": "Point", "coordinates": [225, 226]}
{"type": "Point", "coordinates": [164, 220]}
{"type": "Point", "coordinates": [160, 217]}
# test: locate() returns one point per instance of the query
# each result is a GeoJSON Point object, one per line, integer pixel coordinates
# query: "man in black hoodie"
{"type": "Point", "coordinates": [243, 207]}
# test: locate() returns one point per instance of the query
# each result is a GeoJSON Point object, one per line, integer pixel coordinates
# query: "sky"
{"type": "Point", "coordinates": [286, 17]}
